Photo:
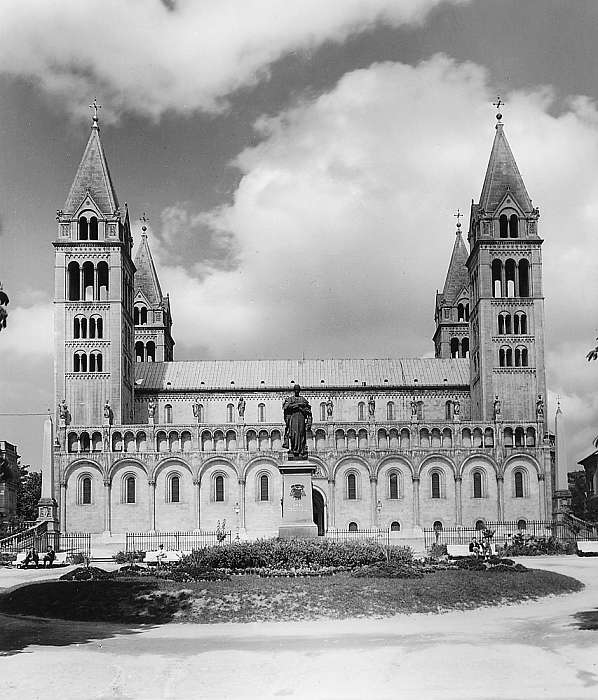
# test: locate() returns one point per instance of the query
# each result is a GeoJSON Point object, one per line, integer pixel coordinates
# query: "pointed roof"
{"type": "Point", "coordinates": [146, 277]}
{"type": "Point", "coordinates": [93, 176]}
{"type": "Point", "coordinates": [503, 175]}
{"type": "Point", "coordinates": [457, 276]}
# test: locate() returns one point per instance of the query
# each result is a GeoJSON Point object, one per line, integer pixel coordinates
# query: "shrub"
{"type": "Point", "coordinates": [437, 550]}
{"type": "Point", "coordinates": [129, 557]}
{"type": "Point", "coordinates": [293, 554]}
{"type": "Point", "coordinates": [387, 570]}
{"type": "Point", "coordinates": [77, 558]}
{"type": "Point", "coordinates": [530, 546]}
{"type": "Point", "coordinates": [86, 573]}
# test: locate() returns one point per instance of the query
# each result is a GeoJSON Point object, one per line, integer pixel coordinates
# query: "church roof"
{"type": "Point", "coordinates": [310, 374]}
{"type": "Point", "coordinates": [503, 174]}
{"type": "Point", "coordinates": [93, 176]}
{"type": "Point", "coordinates": [457, 276]}
{"type": "Point", "coordinates": [146, 277]}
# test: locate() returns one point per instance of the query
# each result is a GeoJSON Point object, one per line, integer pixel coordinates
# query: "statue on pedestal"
{"type": "Point", "coordinates": [540, 408]}
{"type": "Point", "coordinates": [241, 407]}
{"type": "Point", "coordinates": [497, 407]}
{"type": "Point", "coordinates": [63, 411]}
{"type": "Point", "coordinates": [197, 410]}
{"type": "Point", "coordinates": [151, 410]}
{"type": "Point", "coordinates": [298, 420]}
{"type": "Point", "coordinates": [329, 409]}
{"type": "Point", "coordinates": [107, 413]}
{"type": "Point", "coordinates": [371, 407]}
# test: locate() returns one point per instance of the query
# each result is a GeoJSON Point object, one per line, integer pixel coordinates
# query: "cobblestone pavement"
{"type": "Point", "coordinates": [530, 650]}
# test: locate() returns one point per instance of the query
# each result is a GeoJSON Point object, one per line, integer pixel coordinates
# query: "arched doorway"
{"type": "Point", "coordinates": [319, 520]}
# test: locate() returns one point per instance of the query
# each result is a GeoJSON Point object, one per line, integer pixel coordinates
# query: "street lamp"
{"type": "Point", "coordinates": [237, 511]}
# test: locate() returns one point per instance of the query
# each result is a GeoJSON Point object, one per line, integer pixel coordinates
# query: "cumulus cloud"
{"type": "Point", "coordinates": [150, 57]}
{"type": "Point", "coordinates": [343, 227]}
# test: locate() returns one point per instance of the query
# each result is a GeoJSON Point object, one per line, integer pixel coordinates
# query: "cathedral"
{"type": "Point", "coordinates": [145, 443]}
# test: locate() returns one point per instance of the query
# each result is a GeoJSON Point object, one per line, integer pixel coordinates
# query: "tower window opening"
{"type": "Point", "coordinates": [139, 351]}
{"type": "Point", "coordinates": [130, 489]}
{"type": "Point", "coordinates": [351, 487]}
{"type": "Point", "coordinates": [460, 312]}
{"type": "Point", "coordinates": [497, 278]}
{"type": "Point", "coordinates": [103, 281]}
{"type": "Point", "coordinates": [435, 485]}
{"type": "Point", "coordinates": [143, 315]}
{"type": "Point", "coordinates": [264, 488]}
{"type": "Point", "coordinates": [93, 229]}
{"type": "Point", "coordinates": [514, 226]}
{"type": "Point", "coordinates": [136, 315]}
{"type": "Point", "coordinates": [393, 486]}
{"type": "Point", "coordinates": [219, 488]}
{"type": "Point", "coordinates": [477, 485]}
{"type": "Point", "coordinates": [465, 347]}
{"type": "Point", "coordinates": [524, 286]}
{"type": "Point", "coordinates": [503, 225]}
{"type": "Point", "coordinates": [454, 347]}
{"type": "Point", "coordinates": [74, 284]}
{"type": "Point", "coordinates": [390, 410]}
{"type": "Point", "coordinates": [510, 277]}
{"type": "Point", "coordinates": [175, 489]}
{"type": "Point", "coordinates": [467, 312]}
{"type": "Point", "coordinates": [361, 411]}
{"type": "Point", "coordinates": [87, 281]}
{"type": "Point", "coordinates": [518, 484]}
{"type": "Point", "coordinates": [83, 228]}
{"type": "Point", "coordinates": [150, 351]}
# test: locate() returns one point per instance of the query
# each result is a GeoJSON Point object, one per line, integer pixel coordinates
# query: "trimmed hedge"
{"type": "Point", "coordinates": [294, 554]}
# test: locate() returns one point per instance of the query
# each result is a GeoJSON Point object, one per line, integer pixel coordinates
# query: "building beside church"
{"type": "Point", "coordinates": [147, 443]}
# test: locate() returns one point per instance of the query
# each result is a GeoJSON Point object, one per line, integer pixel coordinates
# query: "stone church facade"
{"type": "Point", "coordinates": [146, 443]}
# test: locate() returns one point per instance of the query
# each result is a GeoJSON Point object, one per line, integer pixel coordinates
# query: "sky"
{"type": "Point", "coordinates": [300, 163]}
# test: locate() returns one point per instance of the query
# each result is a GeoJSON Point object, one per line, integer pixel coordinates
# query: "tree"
{"type": "Point", "coordinates": [28, 492]}
{"type": "Point", "coordinates": [577, 487]}
{"type": "Point", "coordinates": [3, 304]}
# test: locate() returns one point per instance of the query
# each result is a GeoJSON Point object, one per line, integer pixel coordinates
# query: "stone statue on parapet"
{"type": "Point", "coordinates": [297, 420]}
{"type": "Point", "coordinates": [540, 407]}
{"type": "Point", "coordinates": [497, 407]}
{"type": "Point", "coordinates": [63, 411]}
{"type": "Point", "coordinates": [241, 407]}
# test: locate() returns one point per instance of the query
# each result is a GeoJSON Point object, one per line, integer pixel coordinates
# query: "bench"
{"type": "Point", "coordinates": [587, 548]}
{"type": "Point", "coordinates": [456, 551]}
{"type": "Point", "coordinates": [163, 556]}
{"type": "Point", "coordinates": [60, 560]}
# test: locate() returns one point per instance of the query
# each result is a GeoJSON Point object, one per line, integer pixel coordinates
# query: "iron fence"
{"type": "Point", "coordinates": [562, 530]}
{"type": "Point", "coordinates": [40, 539]}
{"type": "Point", "coordinates": [377, 535]}
{"type": "Point", "coordinates": [180, 541]}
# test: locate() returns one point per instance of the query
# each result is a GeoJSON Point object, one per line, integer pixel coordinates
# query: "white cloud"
{"type": "Point", "coordinates": [29, 331]}
{"type": "Point", "coordinates": [343, 224]}
{"type": "Point", "coordinates": [139, 56]}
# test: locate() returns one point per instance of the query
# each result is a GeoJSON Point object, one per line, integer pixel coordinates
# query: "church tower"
{"type": "Point", "coordinates": [152, 317]}
{"type": "Point", "coordinates": [451, 338]}
{"type": "Point", "coordinates": [93, 295]}
{"type": "Point", "coordinates": [507, 313]}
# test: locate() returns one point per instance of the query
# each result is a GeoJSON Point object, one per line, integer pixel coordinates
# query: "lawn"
{"type": "Point", "coordinates": [255, 599]}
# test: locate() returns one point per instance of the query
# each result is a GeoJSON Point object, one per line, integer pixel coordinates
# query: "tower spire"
{"type": "Point", "coordinates": [95, 106]}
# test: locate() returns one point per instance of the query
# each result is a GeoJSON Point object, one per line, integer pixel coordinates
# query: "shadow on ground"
{"type": "Point", "coordinates": [587, 619]}
{"type": "Point", "coordinates": [124, 603]}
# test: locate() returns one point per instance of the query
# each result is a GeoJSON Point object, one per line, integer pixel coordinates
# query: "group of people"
{"type": "Point", "coordinates": [32, 557]}
{"type": "Point", "coordinates": [480, 548]}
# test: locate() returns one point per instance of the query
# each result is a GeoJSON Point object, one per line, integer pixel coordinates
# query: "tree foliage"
{"type": "Point", "coordinates": [28, 492]}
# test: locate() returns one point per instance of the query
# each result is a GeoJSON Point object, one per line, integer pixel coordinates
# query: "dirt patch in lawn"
{"type": "Point", "coordinates": [254, 599]}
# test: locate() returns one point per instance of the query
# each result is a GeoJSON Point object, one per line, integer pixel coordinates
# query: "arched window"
{"type": "Point", "coordinates": [395, 526]}
{"type": "Point", "coordinates": [261, 413]}
{"type": "Point", "coordinates": [80, 327]}
{"type": "Point", "coordinates": [454, 347]}
{"type": "Point", "coordinates": [139, 348]}
{"type": "Point", "coordinates": [519, 484]}
{"type": "Point", "coordinates": [174, 488]}
{"type": "Point", "coordinates": [477, 485]}
{"type": "Point", "coordinates": [524, 286]}
{"type": "Point", "coordinates": [519, 437]}
{"type": "Point", "coordinates": [510, 277]}
{"type": "Point", "coordinates": [520, 323]}
{"type": "Point", "coordinates": [83, 228]}
{"type": "Point", "coordinates": [96, 327]}
{"type": "Point", "coordinates": [435, 485]}
{"type": "Point", "coordinates": [136, 316]}
{"type": "Point", "coordinates": [79, 361]}
{"type": "Point", "coordinates": [467, 312]}
{"type": "Point", "coordinates": [85, 498]}
{"type": "Point", "coordinates": [530, 437]}
{"type": "Point", "coordinates": [501, 324]}
{"type": "Point", "coordinates": [361, 411]}
{"type": "Point", "coordinates": [503, 225]}
{"type": "Point", "coordinates": [351, 487]}
{"type": "Point", "coordinates": [93, 229]}
{"type": "Point", "coordinates": [460, 312]}
{"type": "Point", "coordinates": [95, 362]}
{"type": "Point", "coordinates": [393, 486]}
{"type": "Point", "coordinates": [496, 279]}
{"type": "Point", "coordinates": [508, 437]}
{"type": "Point", "coordinates": [73, 281]}
{"type": "Point", "coordinates": [87, 281]}
{"type": "Point", "coordinates": [150, 351]}
{"type": "Point", "coordinates": [168, 413]}
{"type": "Point", "coordinates": [465, 347]}
{"type": "Point", "coordinates": [390, 410]}
{"type": "Point", "coordinates": [230, 413]}
{"type": "Point", "coordinates": [103, 281]}
{"type": "Point", "coordinates": [322, 411]}
{"type": "Point", "coordinates": [449, 409]}
{"type": "Point", "coordinates": [513, 226]}
{"type": "Point", "coordinates": [143, 316]}
{"type": "Point", "coordinates": [264, 488]}
{"type": "Point", "coordinates": [353, 527]}
{"type": "Point", "coordinates": [130, 489]}
{"type": "Point", "coordinates": [84, 442]}
{"type": "Point", "coordinates": [219, 488]}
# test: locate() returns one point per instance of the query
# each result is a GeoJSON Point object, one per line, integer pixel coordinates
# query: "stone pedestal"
{"type": "Point", "coordinates": [297, 503]}
{"type": "Point", "coordinates": [561, 503]}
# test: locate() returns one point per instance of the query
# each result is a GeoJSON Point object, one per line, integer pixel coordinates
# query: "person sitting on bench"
{"type": "Point", "coordinates": [49, 557]}
{"type": "Point", "coordinates": [31, 557]}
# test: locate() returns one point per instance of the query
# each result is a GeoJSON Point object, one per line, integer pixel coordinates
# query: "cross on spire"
{"type": "Point", "coordinates": [458, 215]}
{"type": "Point", "coordinates": [95, 106]}
{"type": "Point", "coordinates": [498, 104]}
{"type": "Point", "coordinates": [143, 218]}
